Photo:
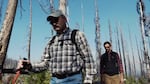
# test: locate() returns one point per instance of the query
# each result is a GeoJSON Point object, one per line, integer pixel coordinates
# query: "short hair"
{"type": "Point", "coordinates": [107, 42]}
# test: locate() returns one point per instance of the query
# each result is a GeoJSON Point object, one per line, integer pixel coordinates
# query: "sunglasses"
{"type": "Point", "coordinates": [54, 20]}
{"type": "Point", "coordinates": [107, 47]}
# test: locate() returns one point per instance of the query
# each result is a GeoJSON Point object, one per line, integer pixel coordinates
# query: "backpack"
{"type": "Point", "coordinates": [73, 34]}
{"type": "Point", "coordinates": [110, 65]}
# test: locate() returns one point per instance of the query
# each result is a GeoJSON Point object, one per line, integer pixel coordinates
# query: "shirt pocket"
{"type": "Point", "coordinates": [69, 47]}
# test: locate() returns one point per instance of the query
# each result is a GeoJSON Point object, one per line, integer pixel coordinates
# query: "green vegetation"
{"type": "Point", "coordinates": [129, 80]}
{"type": "Point", "coordinates": [132, 80]}
{"type": "Point", "coordinates": [44, 78]}
{"type": "Point", "coordinates": [35, 78]}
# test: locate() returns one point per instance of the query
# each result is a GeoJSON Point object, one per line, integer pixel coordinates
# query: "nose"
{"type": "Point", "coordinates": [54, 24]}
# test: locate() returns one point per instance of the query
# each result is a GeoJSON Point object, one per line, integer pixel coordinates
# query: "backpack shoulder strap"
{"type": "Point", "coordinates": [73, 34]}
{"type": "Point", "coordinates": [52, 40]}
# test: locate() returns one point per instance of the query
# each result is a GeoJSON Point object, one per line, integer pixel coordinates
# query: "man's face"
{"type": "Point", "coordinates": [58, 23]}
{"type": "Point", "coordinates": [107, 47]}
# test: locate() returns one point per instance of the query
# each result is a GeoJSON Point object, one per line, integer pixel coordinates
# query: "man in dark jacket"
{"type": "Point", "coordinates": [111, 68]}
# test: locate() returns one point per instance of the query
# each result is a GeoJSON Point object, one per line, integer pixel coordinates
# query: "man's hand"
{"type": "Point", "coordinates": [121, 78]}
{"type": "Point", "coordinates": [21, 64]}
{"type": "Point", "coordinates": [121, 81]}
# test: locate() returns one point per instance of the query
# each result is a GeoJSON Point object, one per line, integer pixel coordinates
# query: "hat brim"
{"type": "Point", "coordinates": [49, 18]}
{"type": "Point", "coordinates": [54, 14]}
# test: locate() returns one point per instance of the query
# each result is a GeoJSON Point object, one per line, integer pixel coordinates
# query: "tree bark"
{"type": "Point", "coordinates": [6, 30]}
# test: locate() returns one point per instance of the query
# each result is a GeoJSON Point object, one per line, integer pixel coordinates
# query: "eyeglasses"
{"type": "Point", "coordinates": [54, 20]}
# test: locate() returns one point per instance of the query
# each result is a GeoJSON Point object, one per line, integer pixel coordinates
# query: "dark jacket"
{"type": "Point", "coordinates": [110, 63]}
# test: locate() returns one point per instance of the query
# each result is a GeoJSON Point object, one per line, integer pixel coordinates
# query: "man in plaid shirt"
{"type": "Point", "coordinates": [65, 59]}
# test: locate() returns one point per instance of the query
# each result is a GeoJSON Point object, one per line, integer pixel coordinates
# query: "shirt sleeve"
{"type": "Point", "coordinates": [120, 63]}
{"type": "Point", "coordinates": [43, 64]}
{"type": "Point", "coordinates": [86, 55]}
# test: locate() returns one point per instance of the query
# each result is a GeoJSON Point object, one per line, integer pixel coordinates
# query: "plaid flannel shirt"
{"type": "Point", "coordinates": [63, 56]}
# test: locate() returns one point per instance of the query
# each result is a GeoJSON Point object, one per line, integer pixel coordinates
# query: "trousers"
{"type": "Point", "coordinates": [74, 79]}
{"type": "Point", "coordinates": [115, 79]}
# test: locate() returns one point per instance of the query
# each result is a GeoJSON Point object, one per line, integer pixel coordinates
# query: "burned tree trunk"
{"type": "Point", "coordinates": [30, 31]}
{"type": "Point", "coordinates": [134, 68]}
{"type": "Point", "coordinates": [110, 32]}
{"type": "Point", "coordinates": [97, 38]}
{"type": "Point", "coordinates": [6, 29]}
{"type": "Point", "coordinates": [141, 12]}
{"type": "Point", "coordinates": [63, 6]}
{"type": "Point", "coordinates": [123, 51]}
{"type": "Point", "coordinates": [140, 60]}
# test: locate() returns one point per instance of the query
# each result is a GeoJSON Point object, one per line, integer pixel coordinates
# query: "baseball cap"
{"type": "Point", "coordinates": [56, 13]}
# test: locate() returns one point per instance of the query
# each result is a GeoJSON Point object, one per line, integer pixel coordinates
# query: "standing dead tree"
{"type": "Point", "coordinates": [129, 64]}
{"type": "Point", "coordinates": [141, 12]}
{"type": "Point", "coordinates": [6, 30]}
{"type": "Point", "coordinates": [30, 31]}
{"type": "Point", "coordinates": [140, 60]}
{"type": "Point", "coordinates": [110, 31]}
{"type": "Point", "coordinates": [118, 42]}
{"type": "Point", "coordinates": [63, 6]}
{"type": "Point", "coordinates": [97, 38]}
{"type": "Point", "coordinates": [123, 51]}
{"type": "Point", "coordinates": [134, 68]}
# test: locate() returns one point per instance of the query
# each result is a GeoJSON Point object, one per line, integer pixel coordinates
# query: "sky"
{"type": "Point", "coordinates": [118, 12]}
